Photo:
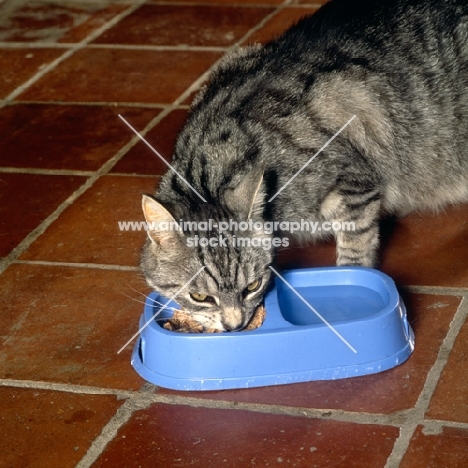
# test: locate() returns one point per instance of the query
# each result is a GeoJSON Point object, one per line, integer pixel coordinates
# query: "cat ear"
{"type": "Point", "coordinates": [162, 227]}
{"type": "Point", "coordinates": [247, 198]}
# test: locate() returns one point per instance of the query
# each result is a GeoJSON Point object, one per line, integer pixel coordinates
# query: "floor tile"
{"type": "Point", "coordinates": [65, 324]}
{"type": "Point", "coordinates": [27, 200]}
{"type": "Point", "coordinates": [88, 231]}
{"type": "Point", "coordinates": [448, 449]}
{"type": "Point", "coordinates": [199, 25]}
{"type": "Point", "coordinates": [115, 75]}
{"type": "Point", "coordinates": [18, 65]}
{"type": "Point", "coordinates": [46, 21]}
{"type": "Point", "coordinates": [428, 249]}
{"type": "Point", "coordinates": [279, 23]}
{"type": "Point", "coordinates": [98, 13]}
{"type": "Point", "coordinates": [385, 392]}
{"type": "Point", "coordinates": [65, 137]}
{"type": "Point", "coordinates": [47, 429]}
{"type": "Point", "coordinates": [141, 160]}
{"type": "Point", "coordinates": [167, 435]}
{"type": "Point", "coordinates": [450, 399]}
{"type": "Point", "coordinates": [320, 254]}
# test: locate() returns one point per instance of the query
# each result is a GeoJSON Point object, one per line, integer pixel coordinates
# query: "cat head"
{"type": "Point", "coordinates": [219, 271]}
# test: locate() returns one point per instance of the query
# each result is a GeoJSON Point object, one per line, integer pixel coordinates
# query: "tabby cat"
{"type": "Point", "coordinates": [399, 66]}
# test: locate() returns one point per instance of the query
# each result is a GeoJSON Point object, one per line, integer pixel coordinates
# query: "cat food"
{"type": "Point", "coordinates": [257, 319]}
{"type": "Point", "coordinates": [183, 322]}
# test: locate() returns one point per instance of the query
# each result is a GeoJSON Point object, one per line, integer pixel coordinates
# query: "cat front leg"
{"type": "Point", "coordinates": [355, 220]}
{"type": "Point", "coordinates": [358, 248]}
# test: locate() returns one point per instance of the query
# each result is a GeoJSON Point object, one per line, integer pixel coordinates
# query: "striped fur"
{"type": "Point", "coordinates": [400, 66]}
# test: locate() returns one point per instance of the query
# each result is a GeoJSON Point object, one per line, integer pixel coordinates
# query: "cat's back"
{"type": "Point", "coordinates": [378, 29]}
{"type": "Point", "coordinates": [400, 66]}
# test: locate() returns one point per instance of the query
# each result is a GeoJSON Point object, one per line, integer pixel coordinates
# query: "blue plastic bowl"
{"type": "Point", "coordinates": [366, 331]}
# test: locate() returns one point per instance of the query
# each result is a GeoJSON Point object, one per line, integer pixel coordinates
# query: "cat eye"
{"type": "Point", "coordinates": [253, 286]}
{"type": "Point", "coordinates": [201, 297]}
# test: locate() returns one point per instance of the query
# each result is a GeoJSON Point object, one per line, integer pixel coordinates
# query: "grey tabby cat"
{"type": "Point", "coordinates": [399, 66]}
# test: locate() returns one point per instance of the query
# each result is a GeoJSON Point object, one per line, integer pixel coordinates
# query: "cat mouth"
{"type": "Point", "coordinates": [184, 322]}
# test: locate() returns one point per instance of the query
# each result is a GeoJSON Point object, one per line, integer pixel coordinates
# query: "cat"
{"type": "Point", "coordinates": [400, 67]}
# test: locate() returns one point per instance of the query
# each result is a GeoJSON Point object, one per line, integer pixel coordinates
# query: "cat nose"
{"type": "Point", "coordinates": [232, 319]}
{"type": "Point", "coordinates": [232, 328]}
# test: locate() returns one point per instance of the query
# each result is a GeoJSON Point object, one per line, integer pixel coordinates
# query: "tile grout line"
{"type": "Point", "coordinates": [160, 48]}
{"type": "Point", "coordinates": [67, 388]}
{"type": "Point", "coordinates": [114, 105]}
{"type": "Point", "coordinates": [37, 45]}
{"type": "Point", "coordinates": [401, 445]}
{"type": "Point", "coordinates": [394, 419]}
{"type": "Point", "coordinates": [109, 431]}
{"type": "Point", "coordinates": [130, 174]}
{"type": "Point", "coordinates": [434, 425]}
{"type": "Point", "coordinates": [39, 171]}
{"type": "Point", "coordinates": [436, 290]}
{"type": "Point", "coordinates": [97, 266]}
{"type": "Point", "coordinates": [443, 355]}
{"type": "Point", "coordinates": [121, 46]}
{"type": "Point", "coordinates": [432, 380]}
{"type": "Point", "coordinates": [262, 23]}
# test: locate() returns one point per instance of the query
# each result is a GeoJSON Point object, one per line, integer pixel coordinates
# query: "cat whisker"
{"type": "Point", "coordinates": [136, 290]}
{"type": "Point", "coordinates": [154, 301]}
{"type": "Point", "coordinates": [146, 298]}
{"type": "Point", "coordinates": [132, 298]}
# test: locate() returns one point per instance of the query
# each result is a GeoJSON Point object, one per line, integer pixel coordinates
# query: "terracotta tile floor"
{"type": "Point", "coordinates": [71, 293]}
